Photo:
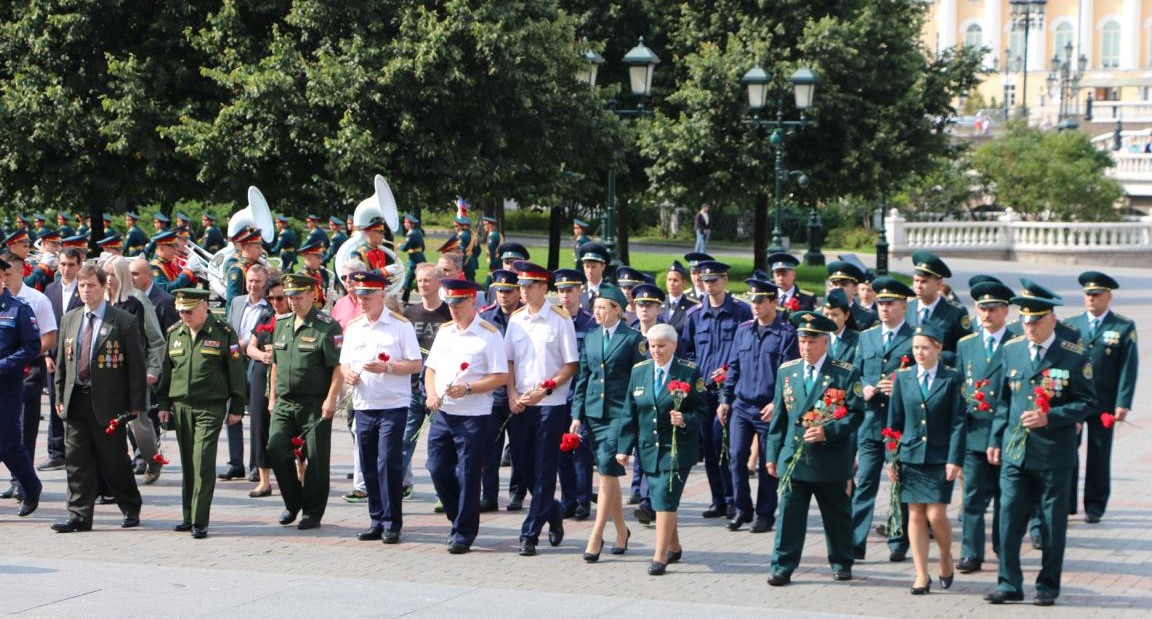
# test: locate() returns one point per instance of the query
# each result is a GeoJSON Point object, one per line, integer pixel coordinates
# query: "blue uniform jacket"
{"type": "Point", "coordinates": [707, 336]}
{"type": "Point", "coordinates": [19, 341]}
{"type": "Point", "coordinates": [753, 363]}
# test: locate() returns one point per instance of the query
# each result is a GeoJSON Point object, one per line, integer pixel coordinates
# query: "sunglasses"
{"type": "Point", "coordinates": [277, 297]}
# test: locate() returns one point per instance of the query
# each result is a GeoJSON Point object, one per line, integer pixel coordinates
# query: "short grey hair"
{"type": "Point", "coordinates": [662, 332]}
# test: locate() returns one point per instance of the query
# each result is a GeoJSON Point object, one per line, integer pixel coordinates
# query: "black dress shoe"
{"type": "Point", "coordinates": [556, 534]}
{"type": "Point", "coordinates": [308, 522]}
{"type": "Point", "coordinates": [617, 550]}
{"type": "Point", "coordinates": [761, 525]}
{"type": "Point", "coordinates": [488, 505]}
{"type": "Point", "coordinates": [582, 512]}
{"type": "Point", "coordinates": [715, 511]}
{"type": "Point", "coordinates": [9, 493]}
{"type": "Point", "coordinates": [898, 556]}
{"type": "Point", "coordinates": [842, 575]}
{"type": "Point", "coordinates": [925, 590]}
{"type": "Point", "coordinates": [52, 464]}
{"type": "Point", "coordinates": [730, 511]}
{"type": "Point", "coordinates": [779, 580]}
{"type": "Point", "coordinates": [737, 522]}
{"type": "Point", "coordinates": [254, 476]}
{"type": "Point", "coordinates": [527, 549]}
{"type": "Point", "coordinates": [288, 516]}
{"type": "Point", "coordinates": [1037, 544]}
{"type": "Point", "coordinates": [515, 504]}
{"type": "Point", "coordinates": [657, 568]}
{"type": "Point", "coordinates": [458, 548]}
{"type": "Point", "coordinates": [257, 494]}
{"type": "Point", "coordinates": [106, 500]}
{"type": "Point", "coordinates": [139, 467]}
{"type": "Point", "coordinates": [1043, 599]}
{"type": "Point", "coordinates": [28, 507]}
{"type": "Point", "coordinates": [130, 521]}
{"type": "Point", "coordinates": [72, 525]}
{"type": "Point", "coordinates": [232, 473]}
{"type": "Point", "coordinates": [1091, 519]}
{"type": "Point", "coordinates": [674, 556]}
{"type": "Point", "coordinates": [635, 498]}
{"type": "Point", "coordinates": [946, 581]}
{"type": "Point", "coordinates": [569, 511]}
{"type": "Point", "coordinates": [1000, 597]}
{"type": "Point", "coordinates": [644, 515]}
{"type": "Point", "coordinates": [594, 557]}
{"type": "Point", "coordinates": [370, 535]}
{"type": "Point", "coordinates": [967, 565]}
{"type": "Point", "coordinates": [199, 531]}
{"type": "Point", "coordinates": [859, 555]}
{"type": "Point", "coordinates": [183, 527]}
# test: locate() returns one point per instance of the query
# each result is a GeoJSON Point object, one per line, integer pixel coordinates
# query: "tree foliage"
{"type": "Point", "coordinates": [1057, 175]}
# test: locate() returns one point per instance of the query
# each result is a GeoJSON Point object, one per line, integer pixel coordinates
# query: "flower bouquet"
{"type": "Point", "coordinates": [1052, 382]}
{"type": "Point", "coordinates": [679, 390]}
{"type": "Point", "coordinates": [895, 526]}
{"type": "Point", "coordinates": [569, 442]}
{"type": "Point", "coordinates": [718, 380]}
{"type": "Point", "coordinates": [829, 408]}
{"type": "Point", "coordinates": [977, 399]}
{"type": "Point", "coordinates": [117, 421]}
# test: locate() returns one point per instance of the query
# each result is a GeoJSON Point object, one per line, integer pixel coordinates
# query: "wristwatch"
{"type": "Point", "coordinates": [467, 388]}
{"type": "Point", "coordinates": [388, 368]}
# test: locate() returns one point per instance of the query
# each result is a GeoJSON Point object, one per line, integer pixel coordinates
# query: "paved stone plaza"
{"type": "Point", "coordinates": [250, 566]}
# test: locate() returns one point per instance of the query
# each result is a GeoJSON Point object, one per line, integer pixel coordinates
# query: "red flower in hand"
{"type": "Point", "coordinates": [299, 453]}
{"type": "Point", "coordinates": [840, 413]}
{"type": "Point", "coordinates": [1107, 420]}
{"type": "Point", "coordinates": [159, 458]}
{"type": "Point", "coordinates": [792, 304]}
{"type": "Point", "coordinates": [383, 357]}
{"type": "Point", "coordinates": [983, 406]}
{"type": "Point", "coordinates": [569, 442]}
{"type": "Point", "coordinates": [464, 366]}
{"type": "Point", "coordinates": [297, 441]}
{"type": "Point", "coordinates": [904, 361]}
{"type": "Point", "coordinates": [267, 327]}
{"type": "Point", "coordinates": [548, 384]}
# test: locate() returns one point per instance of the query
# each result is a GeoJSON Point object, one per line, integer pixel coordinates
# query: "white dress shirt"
{"type": "Point", "coordinates": [364, 340]}
{"type": "Point", "coordinates": [539, 347]}
{"type": "Point", "coordinates": [482, 348]}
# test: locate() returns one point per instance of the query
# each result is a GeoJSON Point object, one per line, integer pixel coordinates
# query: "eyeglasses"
{"type": "Point", "coordinates": [278, 297]}
{"type": "Point", "coordinates": [184, 311]}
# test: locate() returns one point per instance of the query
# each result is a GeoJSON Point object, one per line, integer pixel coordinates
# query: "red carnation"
{"type": "Point", "coordinates": [569, 442]}
{"type": "Point", "coordinates": [159, 458]}
{"type": "Point", "coordinates": [464, 366]}
{"type": "Point", "coordinates": [904, 361]}
{"type": "Point", "coordinates": [792, 304]}
{"type": "Point", "coordinates": [841, 412]}
{"type": "Point", "coordinates": [1045, 373]}
{"type": "Point", "coordinates": [297, 441]}
{"type": "Point", "coordinates": [983, 406]}
{"type": "Point", "coordinates": [383, 357]}
{"type": "Point", "coordinates": [298, 452]}
{"type": "Point", "coordinates": [1107, 420]}
{"type": "Point", "coordinates": [548, 384]}
{"type": "Point", "coordinates": [979, 395]}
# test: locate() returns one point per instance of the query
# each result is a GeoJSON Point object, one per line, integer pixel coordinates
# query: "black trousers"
{"type": "Point", "coordinates": [90, 452]}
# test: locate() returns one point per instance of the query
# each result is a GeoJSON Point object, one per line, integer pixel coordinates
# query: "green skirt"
{"type": "Point", "coordinates": [665, 499]}
{"type": "Point", "coordinates": [924, 483]}
{"type": "Point", "coordinates": [605, 434]}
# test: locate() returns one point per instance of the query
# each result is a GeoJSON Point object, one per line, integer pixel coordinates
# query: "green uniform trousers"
{"type": "Point", "coordinates": [290, 418]}
{"type": "Point", "coordinates": [836, 513]}
{"type": "Point", "coordinates": [1022, 493]}
{"type": "Point", "coordinates": [197, 434]}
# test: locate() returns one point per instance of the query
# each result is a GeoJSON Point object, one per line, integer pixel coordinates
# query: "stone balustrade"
{"type": "Point", "coordinates": [1126, 111]}
{"type": "Point", "coordinates": [1009, 238]}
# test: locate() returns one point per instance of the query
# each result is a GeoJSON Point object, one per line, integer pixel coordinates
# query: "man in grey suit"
{"type": "Point", "coordinates": [243, 314]}
{"type": "Point", "coordinates": [100, 375]}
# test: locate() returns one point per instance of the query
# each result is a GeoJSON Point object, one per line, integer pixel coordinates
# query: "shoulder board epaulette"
{"type": "Point", "coordinates": [840, 363]}
{"type": "Point", "coordinates": [872, 328]}
{"type": "Point", "coordinates": [692, 300]}
{"type": "Point", "coordinates": [694, 308]}
{"type": "Point", "coordinates": [1073, 346]}
{"type": "Point", "coordinates": [518, 310]}
{"type": "Point", "coordinates": [967, 337]}
{"type": "Point", "coordinates": [445, 325]}
{"type": "Point", "coordinates": [790, 363]}
{"type": "Point", "coordinates": [907, 369]}
{"type": "Point", "coordinates": [955, 304]}
{"type": "Point", "coordinates": [642, 363]}
{"type": "Point", "coordinates": [563, 312]}
{"type": "Point", "coordinates": [358, 318]}
{"type": "Point", "coordinates": [1122, 318]}
{"type": "Point", "coordinates": [324, 318]}
{"type": "Point", "coordinates": [176, 325]}
{"type": "Point", "coordinates": [747, 322]}
{"type": "Point", "coordinates": [686, 363]}
{"type": "Point", "coordinates": [487, 325]}
{"type": "Point", "coordinates": [487, 307]}
{"type": "Point", "coordinates": [225, 327]}
{"type": "Point", "coordinates": [398, 316]}
{"type": "Point", "coordinates": [1017, 339]}
{"type": "Point", "coordinates": [288, 316]}
{"type": "Point", "coordinates": [807, 292]}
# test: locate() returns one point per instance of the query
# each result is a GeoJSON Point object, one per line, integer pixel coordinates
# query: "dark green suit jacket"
{"type": "Point", "coordinates": [1115, 359]}
{"type": "Point", "coordinates": [830, 461]}
{"type": "Point", "coordinates": [932, 425]}
{"type": "Point", "coordinates": [602, 376]}
{"type": "Point", "coordinates": [875, 363]}
{"type": "Point", "coordinates": [118, 367]}
{"type": "Point", "coordinates": [972, 360]}
{"type": "Point", "coordinates": [1053, 446]}
{"type": "Point", "coordinates": [648, 428]}
{"type": "Point", "coordinates": [848, 348]}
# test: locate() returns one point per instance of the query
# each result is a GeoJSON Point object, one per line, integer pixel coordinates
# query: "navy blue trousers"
{"type": "Point", "coordinates": [744, 427]}
{"type": "Point", "coordinates": [494, 450]}
{"type": "Point", "coordinates": [539, 451]}
{"type": "Point", "coordinates": [711, 445]}
{"type": "Point", "coordinates": [13, 453]}
{"type": "Point", "coordinates": [455, 458]}
{"type": "Point", "coordinates": [575, 470]}
{"type": "Point", "coordinates": [380, 438]}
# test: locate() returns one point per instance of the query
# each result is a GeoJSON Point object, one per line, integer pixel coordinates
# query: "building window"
{"type": "Point", "coordinates": [1110, 45]}
{"type": "Point", "coordinates": [1014, 55]}
{"type": "Point", "coordinates": [974, 36]}
{"type": "Point", "coordinates": [1062, 38]}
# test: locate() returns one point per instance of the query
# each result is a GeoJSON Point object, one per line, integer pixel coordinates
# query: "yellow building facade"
{"type": "Point", "coordinates": [1110, 39]}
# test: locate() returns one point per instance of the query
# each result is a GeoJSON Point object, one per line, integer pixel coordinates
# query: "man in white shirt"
{"type": "Point", "coordinates": [34, 380]}
{"type": "Point", "coordinates": [542, 360]}
{"type": "Point", "coordinates": [378, 359]}
{"type": "Point", "coordinates": [466, 363]}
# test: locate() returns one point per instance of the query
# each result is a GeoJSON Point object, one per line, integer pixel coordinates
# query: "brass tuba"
{"type": "Point", "coordinates": [256, 216]}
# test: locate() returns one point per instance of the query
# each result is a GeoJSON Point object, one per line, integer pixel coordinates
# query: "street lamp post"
{"type": "Point", "coordinates": [1025, 15]}
{"type": "Point", "coordinates": [641, 63]}
{"type": "Point", "coordinates": [1066, 77]}
{"type": "Point", "coordinates": [803, 82]}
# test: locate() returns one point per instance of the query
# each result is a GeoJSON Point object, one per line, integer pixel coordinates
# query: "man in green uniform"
{"type": "Point", "coordinates": [813, 458]}
{"type": "Point", "coordinates": [1047, 389]}
{"type": "Point", "coordinates": [580, 237]}
{"type": "Point", "coordinates": [305, 385]}
{"type": "Point", "coordinates": [338, 238]}
{"type": "Point", "coordinates": [493, 241]}
{"type": "Point", "coordinates": [931, 303]}
{"type": "Point", "coordinates": [847, 277]}
{"type": "Point", "coordinates": [1110, 340]}
{"type": "Point", "coordinates": [286, 243]}
{"type": "Point", "coordinates": [134, 238]}
{"type": "Point", "coordinates": [414, 247]}
{"type": "Point", "coordinates": [203, 378]}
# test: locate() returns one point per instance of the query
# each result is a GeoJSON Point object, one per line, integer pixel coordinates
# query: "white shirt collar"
{"type": "Point", "coordinates": [884, 331]}
{"type": "Point", "coordinates": [818, 365]}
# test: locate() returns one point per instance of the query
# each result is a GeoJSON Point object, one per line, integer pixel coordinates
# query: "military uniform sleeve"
{"type": "Point", "coordinates": [896, 412]}
{"type": "Point", "coordinates": [728, 387]}
{"type": "Point", "coordinates": [332, 343]}
{"type": "Point", "coordinates": [778, 425]}
{"type": "Point", "coordinates": [959, 421]}
{"type": "Point", "coordinates": [580, 386]}
{"type": "Point", "coordinates": [628, 424]}
{"type": "Point", "coordinates": [497, 357]}
{"type": "Point", "coordinates": [1129, 368]}
{"type": "Point", "coordinates": [28, 345]}
{"type": "Point", "coordinates": [237, 381]}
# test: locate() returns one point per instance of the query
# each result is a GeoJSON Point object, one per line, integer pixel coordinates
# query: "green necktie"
{"type": "Point", "coordinates": [809, 377]}
{"type": "Point", "coordinates": [1035, 356]}
{"type": "Point", "coordinates": [924, 376]}
{"type": "Point", "coordinates": [835, 346]}
{"type": "Point", "coordinates": [604, 344]}
{"type": "Point", "coordinates": [659, 379]}
{"type": "Point", "coordinates": [989, 348]}
{"type": "Point", "coordinates": [923, 315]}
{"type": "Point", "coordinates": [888, 340]}
{"type": "Point", "coordinates": [1093, 324]}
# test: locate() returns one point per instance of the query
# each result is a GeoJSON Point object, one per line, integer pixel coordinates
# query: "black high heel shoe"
{"type": "Point", "coordinates": [925, 590]}
{"type": "Point", "coordinates": [616, 550]}
{"type": "Point", "coordinates": [946, 581]}
{"type": "Point", "coordinates": [592, 558]}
